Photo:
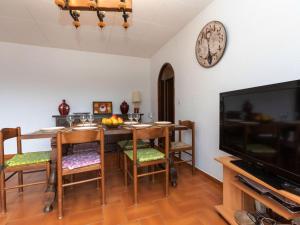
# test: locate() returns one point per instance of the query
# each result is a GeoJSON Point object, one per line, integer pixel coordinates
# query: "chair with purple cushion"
{"type": "Point", "coordinates": [81, 162]}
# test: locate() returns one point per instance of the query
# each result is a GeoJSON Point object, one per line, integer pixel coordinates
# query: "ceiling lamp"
{"type": "Point", "coordinates": [99, 6]}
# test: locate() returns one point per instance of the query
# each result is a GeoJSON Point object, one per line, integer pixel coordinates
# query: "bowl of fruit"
{"type": "Point", "coordinates": [112, 122]}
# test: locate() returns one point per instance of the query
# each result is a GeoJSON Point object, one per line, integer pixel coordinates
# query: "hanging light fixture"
{"type": "Point", "coordinates": [99, 6]}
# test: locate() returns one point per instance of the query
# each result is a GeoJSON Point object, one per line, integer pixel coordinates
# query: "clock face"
{"type": "Point", "coordinates": [211, 44]}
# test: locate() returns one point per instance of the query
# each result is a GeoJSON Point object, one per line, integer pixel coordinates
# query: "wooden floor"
{"type": "Point", "coordinates": [190, 203]}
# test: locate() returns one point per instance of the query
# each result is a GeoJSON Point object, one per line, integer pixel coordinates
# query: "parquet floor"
{"type": "Point", "coordinates": [190, 203]}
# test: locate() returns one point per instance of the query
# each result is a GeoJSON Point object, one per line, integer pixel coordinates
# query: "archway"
{"type": "Point", "coordinates": [166, 94]}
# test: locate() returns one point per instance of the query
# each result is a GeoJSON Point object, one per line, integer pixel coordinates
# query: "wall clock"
{"type": "Point", "coordinates": [211, 43]}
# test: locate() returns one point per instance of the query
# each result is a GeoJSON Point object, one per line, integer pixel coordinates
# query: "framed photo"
{"type": "Point", "coordinates": [102, 108]}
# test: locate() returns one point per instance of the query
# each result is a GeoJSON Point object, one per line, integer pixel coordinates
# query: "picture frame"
{"type": "Point", "coordinates": [100, 108]}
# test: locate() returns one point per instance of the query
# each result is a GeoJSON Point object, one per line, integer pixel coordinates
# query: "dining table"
{"type": "Point", "coordinates": [50, 193]}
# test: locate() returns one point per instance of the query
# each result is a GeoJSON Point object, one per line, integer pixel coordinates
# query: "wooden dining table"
{"type": "Point", "coordinates": [50, 193]}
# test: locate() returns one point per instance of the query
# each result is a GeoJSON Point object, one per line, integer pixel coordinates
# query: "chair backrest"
{"type": "Point", "coordinates": [9, 133]}
{"type": "Point", "coordinates": [190, 125]}
{"type": "Point", "coordinates": [77, 137]}
{"type": "Point", "coordinates": [187, 123]}
{"type": "Point", "coordinates": [151, 133]}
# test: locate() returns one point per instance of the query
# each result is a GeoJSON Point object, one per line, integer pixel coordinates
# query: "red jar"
{"type": "Point", "coordinates": [64, 108]}
{"type": "Point", "coordinates": [124, 107]}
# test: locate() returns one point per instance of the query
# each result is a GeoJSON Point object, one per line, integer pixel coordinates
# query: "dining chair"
{"type": "Point", "coordinates": [179, 147]}
{"type": "Point", "coordinates": [81, 162]}
{"type": "Point", "coordinates": [125, 145]}
{"type": "Point", "coordinates": [18, 163]}
{"type": "Point", "coordinates": [145, 157]}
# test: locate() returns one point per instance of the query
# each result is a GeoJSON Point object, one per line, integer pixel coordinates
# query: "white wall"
{"type": "Point", "coordinates": [263, 48]}
{"type": "Point", "coordinates": [34, 80]}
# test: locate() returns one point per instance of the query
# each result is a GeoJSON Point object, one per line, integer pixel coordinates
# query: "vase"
{"type": "Point", "coordinates": [64, 108]}
{"type": "Point", "coordinates": [124, 107]}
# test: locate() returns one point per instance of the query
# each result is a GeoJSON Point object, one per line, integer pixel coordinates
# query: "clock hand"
{"type": "Point", "coordinates": [209, 57]}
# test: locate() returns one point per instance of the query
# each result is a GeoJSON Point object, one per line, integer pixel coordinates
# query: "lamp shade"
{"type": "Point", "coordinates": [136, 96]}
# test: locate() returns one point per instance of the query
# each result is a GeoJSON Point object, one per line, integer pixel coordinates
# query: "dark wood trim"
{"type": "Point", "coordinates": [159, 92]}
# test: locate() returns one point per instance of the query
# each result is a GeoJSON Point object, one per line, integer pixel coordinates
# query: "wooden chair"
{"type": "Point", "coordinates": [77, 137]}
{"type": "Point", "coordinates": [20, 162]}
{"type": "Point", "coordinates": [147, 157]}
{"type": "Point", "coordinates": [178, 147]}
{"type": "Point", "coordinates": [125, 145]}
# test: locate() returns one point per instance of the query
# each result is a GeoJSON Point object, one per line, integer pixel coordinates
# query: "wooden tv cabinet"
{"type": "Point", "coordinates": [237, 196]}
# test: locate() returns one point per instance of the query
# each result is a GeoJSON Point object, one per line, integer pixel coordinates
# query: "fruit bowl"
{"type": "Point", "coordinates": [112, 122]}
{"type": "Point", "coordinates": [111, 126]}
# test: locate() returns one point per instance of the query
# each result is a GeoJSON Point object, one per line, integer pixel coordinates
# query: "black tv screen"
{"type": "Point", "coordinates": [262, 125]}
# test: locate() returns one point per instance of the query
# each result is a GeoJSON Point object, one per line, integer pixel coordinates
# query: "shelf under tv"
{"type": "Point", "coordinates": [237, 196]}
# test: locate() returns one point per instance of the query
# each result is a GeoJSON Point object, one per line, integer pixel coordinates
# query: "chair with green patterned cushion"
{"type": "Point", "coordinates": [33, 161]}
{"type": "Point", "coordinates": [128, 145]}
{"type": "Point", "coordinates": [146, 157]}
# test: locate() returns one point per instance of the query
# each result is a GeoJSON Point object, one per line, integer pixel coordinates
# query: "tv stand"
{"type": "Point", "coordinates": [268, 178]}
{"type": "Point", "coordinates": [238, 196]}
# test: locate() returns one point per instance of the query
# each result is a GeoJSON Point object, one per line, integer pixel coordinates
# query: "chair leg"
{"type": "Point", "coordinates": [60, 197]}
{"type": "Point", "coordinates": [153, 169]}
{"type": "Point", "coordinates": [167, 178]}
{"type": "Point", "coordinates": [103, 188]}
{"type": "Point", "coordinates": [98, 174]}
{"type": "Point", "coordinates": [135, 183]}
{"type": "Point", "coordinates": [20, 180]}
{"type": "Point", "coordinates": [119, 158]}
{"type": "Point", "coordinates": [2, 192]}
{"type": "Point", "coordinates": [48, 169]}
{"type": "Point", "coordinates": [121, 161]}
{"type": "Point", "coordinates": [193, 161]}
{"type": "Point", "coordinates": [125, 170]}
{"type": "Point", "coordinates": [72, 180]}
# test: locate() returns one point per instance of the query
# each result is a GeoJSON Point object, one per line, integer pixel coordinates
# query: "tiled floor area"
{"type": "Point", "coordinates": [190, 203]}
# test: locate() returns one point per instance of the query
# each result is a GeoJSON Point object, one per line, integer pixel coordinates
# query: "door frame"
{"type": "Point", "coordinates": [159, 87]}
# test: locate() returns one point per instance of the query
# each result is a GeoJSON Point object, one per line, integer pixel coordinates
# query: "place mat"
{"type": "Point", "coordinates": [51, 129]}
{"type": "Point", "coordinates": [84, 128]}
{"type": "Point", "coordinates": [163, 123]}
{"type": "Point", "coordinates": [141, 126]}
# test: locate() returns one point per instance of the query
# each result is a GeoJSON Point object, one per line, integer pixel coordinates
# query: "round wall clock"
{"type": "Point", "coordinates": [211, 44]}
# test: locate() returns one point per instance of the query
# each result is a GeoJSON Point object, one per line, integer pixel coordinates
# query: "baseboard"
{"type": "Point", "coordinates": [209, 176]}
{"type": "Point", "coordinates": [204, 173]}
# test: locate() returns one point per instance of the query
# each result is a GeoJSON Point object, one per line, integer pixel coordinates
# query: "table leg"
{"type": "Point", "coordinates": [51, 187]}
{"type": "Point", "coordinates": [173, 171]}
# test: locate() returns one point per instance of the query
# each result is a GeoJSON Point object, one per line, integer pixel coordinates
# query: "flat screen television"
{"type": "Point", "coordinates": [261, 125]}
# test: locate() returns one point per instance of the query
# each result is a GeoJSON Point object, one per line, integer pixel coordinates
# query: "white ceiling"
{"type": "Point", "coordinates": [40, 22]}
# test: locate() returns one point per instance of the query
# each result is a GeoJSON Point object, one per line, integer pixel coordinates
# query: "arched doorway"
{"type": "Point", "coordinates": [166, 94]}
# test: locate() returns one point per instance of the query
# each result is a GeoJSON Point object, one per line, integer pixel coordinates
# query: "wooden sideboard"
{"type": "Point", "coordinates": [238, 196]}
{"type": "Point", "coordinates": [110, 141]}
